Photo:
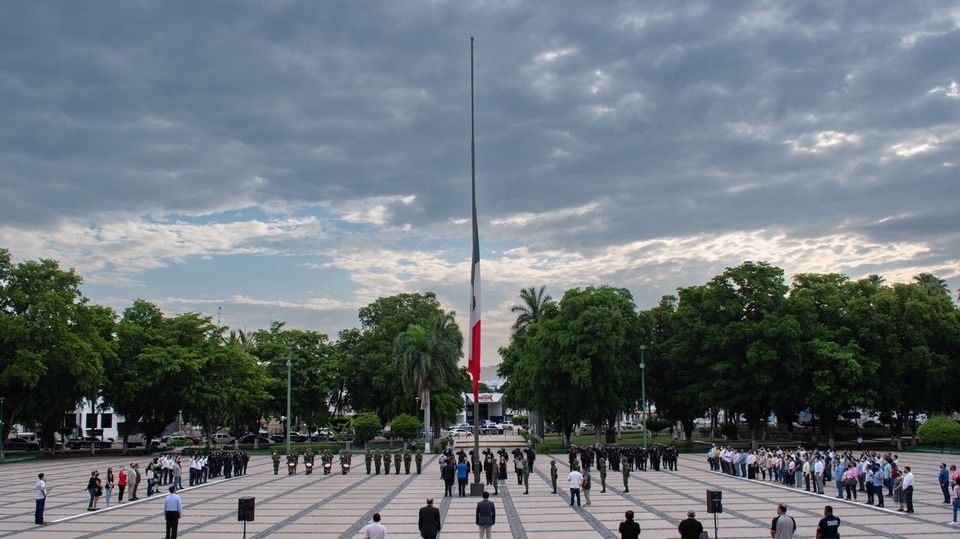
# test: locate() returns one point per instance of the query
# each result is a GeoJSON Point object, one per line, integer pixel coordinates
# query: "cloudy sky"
{"type": "Point", "coordinates": [295, 160]}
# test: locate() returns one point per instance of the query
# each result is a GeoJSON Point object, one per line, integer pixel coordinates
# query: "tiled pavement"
{"type": "Point", "coordinates": [338, 506]}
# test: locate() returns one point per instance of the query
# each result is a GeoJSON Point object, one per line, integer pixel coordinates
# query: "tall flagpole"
{"type": "Point", "coordinates": [477, 488]}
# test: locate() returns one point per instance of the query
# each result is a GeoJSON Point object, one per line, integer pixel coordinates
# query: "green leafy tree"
{"type": "Point", "coordinates": [52, 344]}
{"type": "Point", "coordinates": [404, 426]}
{"type": "Point", "coordinates": [370, 377]}
{"type": "Point", "coordinates": [314, 371]}
{"type": "Point", "coordinates": [940, 430]}
{"type": "Point", "coordinates": [366, 426]}
{"type": "Point", "coordinates": [427, 358]}
{"type": "Point", "coordinates": [835, 374]}
{"type": "Point", "coordinates": [532, 307]}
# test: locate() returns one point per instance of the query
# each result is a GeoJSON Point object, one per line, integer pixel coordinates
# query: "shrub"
{"type": "Point", "coordinates": [519, 420]}
{"type": "Point", "coordinates": [940, 430]}
{"type": "Point", "coordinates": [729, 430]}
{"type": "Point", "coordinates": [404, 426]}
{"type": "Point", "coordinates": [366, 426]}
{"type": "Point", "coordinates": [656, 424]}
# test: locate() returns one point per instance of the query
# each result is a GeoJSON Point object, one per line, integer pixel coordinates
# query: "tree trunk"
{"type": "Point", "coordinates": [426, 421]}
{"type": "Point", "coordinates": [753, 436]}
{"type": "Point", "coordinates": [125, 436]}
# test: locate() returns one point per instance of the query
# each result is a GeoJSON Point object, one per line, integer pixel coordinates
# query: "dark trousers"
{"type": "Point", "coordinates": [462, 486]}
{"type": "Point", "coordinates": [878, 492]}
{"type": "Point", "coordinates": [448, 488]}
{"type": "Point", "coordinates": [133, 489]}
{"type": "Point", "coordinates": [946, 493]}
{"type": "Point", "coordinates": [574, 492]}
{"type": "Point", "coordinates": [173, 519]}
{"type": "Point", "coordinates": [38, 514]}
{"type": "Point", "coordinates": [908, 493]}
{"type": "Point", "coordinates": [121, 489]}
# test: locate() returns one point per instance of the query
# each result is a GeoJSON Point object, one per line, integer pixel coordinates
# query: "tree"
{"type": "Point", "coordinates": [52, 344]}
{"type": "Point", "coordinates": [940, 430]}
{"type": "Point", "coordinates": [835, 374]}
{"type": "Point", "coordinates": [370, 377]}
{"type": "Point", "coordinates": [366, 426]}
{"type": "Point", "coordinates": [404, 426]}
{"type": "Point", "coordinates": [228, 385]}
{"type": "Point", "coordinates": [427, 358]}
{"type": "Point", "coordinates": [934, 285]}
{"type": "Point", "coordinates": [313, 371]}
{"type": "Point", "coordinates": [532, 309]}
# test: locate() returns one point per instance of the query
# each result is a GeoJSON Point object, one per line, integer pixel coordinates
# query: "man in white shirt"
{"type": "Point", "coordinates": [908, 489]}
{"type": "Point", "coordinates": [818, 475]}
{"type": "Point", "coordinates": [375, 530]}
{"type": "Point", "coordinates": [172, 511]}
{"type": "Point", "coordinates": [40, 496]}
{"type": "Point", "coordinates": [575, 478]}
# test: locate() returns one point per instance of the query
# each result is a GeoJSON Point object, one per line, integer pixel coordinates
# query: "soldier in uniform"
{"type": "Point", "coordinates": [418, 458]}
{"type": "Point", "coordinates": [626, 478]}
{"type": "Point", "coordinates": [367, 458]}
{"type": "Point", "coordinates": [553, 475]}
{"type": "Point", "coordinates": [572, 457]}
{"type": "Point", "coordinates": [276, 462]}
{"type": "Point", "coordinates": [377, 459]}
{"type": "Point", "coordinates": [292, 462]}
{"type": "Point", "coordinates": [602, 467]}
{"type": "Point", "coordinates": [396, 460]}
{"type": "Point", "coordinates": [387, 459]}
{"type": "Point", "coordinates": [526, 476]}
{"type": "Point", "coordinates": [406, 461]}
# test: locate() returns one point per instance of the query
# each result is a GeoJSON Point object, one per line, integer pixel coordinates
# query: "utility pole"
{"type": "Point", "coordinates": [289, 365]}
{"type": "Point", "coordinates": [643, 393]}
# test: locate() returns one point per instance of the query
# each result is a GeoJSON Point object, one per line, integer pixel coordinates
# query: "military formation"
{"type": "Point", "coordinates": [226, 464]}
{"type": "Point", "coordinates": [622, 458]}
{"type": "Point", "coordinates": [375, 460]}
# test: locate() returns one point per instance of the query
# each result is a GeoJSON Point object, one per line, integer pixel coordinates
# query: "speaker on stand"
{"type": "Point", "coordinates": [245, 511]}
{"type": "Point", "coordinates": [715, 506]}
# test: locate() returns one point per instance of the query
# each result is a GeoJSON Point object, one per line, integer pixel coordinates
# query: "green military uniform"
{"type": "Point", "coordinates": [367, 457]}
{"type": "Point", "coordinates": [406, 461]}
{"type": "Point", "coordinates": [526, 476]}
{"type": "Point", "coordinates": [386, 462]}
{"type": "Point", "coordinates": [396, 461]}
{"type": "Point", "coordinates": [378, 459]}
{"type": "Point", "coordinates": [292, 458]}
{"type": "Point", "coordinates": [602, 466]}
{"type": "Point", "coordinates": [276, 462]}
{"type": "Point", "coordinates": [553, 475]}
{"type": "Point", "coordinates": [626, 477]}
{"type": "Point", "coordinates": [419, 459]}
{"type": "Point", "coordinates": [308, 457]}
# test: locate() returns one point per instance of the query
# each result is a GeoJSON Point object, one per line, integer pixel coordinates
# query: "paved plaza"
{"type": "Point", "coordinates": [338, 506]}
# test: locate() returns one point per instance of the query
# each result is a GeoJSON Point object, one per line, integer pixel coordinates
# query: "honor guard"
{"type": "Point", "coordinates": [553, 475]}
{"type": "Point", "coordinates": [377, 460]}
{"type": "Point", "coordinates": [407, 458]}
{"type": "Point", "coordinates": [602, 468]}
{"type": "Point", "coordinates": [396, 461]}
{"type": "Point", "coordinates": [418, 458]}
{"type": "Point", "coordinates": [276, 462]}
{"type": "Point", "coordinates": [367, 458]}
{"type": "Point", "coordinates": [526, 476]}
{"type": "Point", "coordinates": [386, 462]}
{"type": "Point", "coordinates": [626, 478]}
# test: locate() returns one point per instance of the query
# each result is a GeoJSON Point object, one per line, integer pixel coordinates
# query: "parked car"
{"type": "Point", "coordinates": [87, 442]}
{"type": "Point", "coordinates": [20, 444]}
{"type": "Point", "coordinates": [222, 438]}
{"type": "Point", "coordinates": [250, 437]}
{"type": "Point", "coordinates": [871, 424]}
{"type": "Point", "coordinates": [460, 432]}
{"type": "Point", "coordinates": [629, 425]}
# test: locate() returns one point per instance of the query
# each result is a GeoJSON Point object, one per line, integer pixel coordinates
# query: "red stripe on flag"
{"type": "Point", "coordinates": [474, 363]}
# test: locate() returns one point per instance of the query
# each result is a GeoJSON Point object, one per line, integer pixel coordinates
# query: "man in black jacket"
{"type": "Point", "coordinates": [486, 515]}
{"type": "Point", "coordinates": [429, 521]}
{"type": "Point", "coordinates": [690, 528]}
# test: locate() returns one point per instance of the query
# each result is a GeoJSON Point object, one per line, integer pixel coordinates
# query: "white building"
{"type": "Point", "coordinates": [491, 407]}
{"type": "Point", "coordinates": [90, 415]}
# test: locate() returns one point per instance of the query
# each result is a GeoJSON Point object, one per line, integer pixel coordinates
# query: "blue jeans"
{"type": "Point", "coordinates": [93, 495]}
{"type": "Point", "coordinates": [956, 506]}
{"type": "Point", "coordinates": [574, 492]}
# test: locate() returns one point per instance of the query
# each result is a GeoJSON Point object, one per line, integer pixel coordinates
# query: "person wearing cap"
{"type": "Point", "coordinates": [690, 527]}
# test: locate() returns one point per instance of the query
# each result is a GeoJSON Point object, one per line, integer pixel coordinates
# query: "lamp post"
{"type": "Point", "coordinates": [289, 364]}
{"type": "Point", "coordinates": [417, 437]}
{"type": "Point", "coordinates": [643, 393]}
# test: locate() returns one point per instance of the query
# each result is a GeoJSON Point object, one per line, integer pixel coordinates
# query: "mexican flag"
{"type": "Point", "coordinates": [473, 364]}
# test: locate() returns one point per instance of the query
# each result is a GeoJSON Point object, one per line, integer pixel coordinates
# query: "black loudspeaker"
{"type": "Point", "coordinates": [714, 501]}
{"type": "Point", "coordinates": [245, 507]}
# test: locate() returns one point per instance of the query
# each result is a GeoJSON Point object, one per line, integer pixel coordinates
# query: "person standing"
{"type": "Point", "coordinates": [585, 487]}
{"type": "Point", "coordinates": [526, 475]}
{"type": "Point", "coordinates": [108, 487]}
{"type": "Point", "coordinates": [690, 527]}
{"type": "Point", "coordinates": [40, 492]}
{"type": "Point", "coordinates": [172, 511]}
{"type": "Point", "coordinates": [783, 525]}
{"type": "Point", "coordinates": [908, 488]}
{"type": "Point", "coordinates": [375, 530]}
{"type": "Point", "coordinates": [829, 526]}
{"type": "Point", "coordinates": [944, 479]}
{"type": "Point", "coordinates": [135, 469]}
{"type": "Point", "coordinates": [448, 472]}
{"type": "Point", "coordinates": [486, 516]}
{"type": "Point", "coordinates": [629, 529]}
{"type": "Point", "coordinates": [956, 502]}
{"type": "Point", "coordinates": [429, 521]}
{"type": "Point", "coordinates": [553, 475]}
{"type": "Point", "coordinates": [575, 478]}
{"type": "Point", "coordinates": [625, 470]}
{"type": "Point", "coordinates": [878, 477]}
{"type": "Point", "coordinates": [462, 478]}
{"type": "Point", "coordinates": [121, 484]}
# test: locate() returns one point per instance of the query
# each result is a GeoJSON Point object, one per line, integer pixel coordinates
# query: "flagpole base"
{"type": "Point", "coordinates": [476, 489]}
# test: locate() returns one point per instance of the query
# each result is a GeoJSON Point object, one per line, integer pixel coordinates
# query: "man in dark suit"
{"type": "Point", "coordinates": [429, 522]}
{"type": "Point", "coordinates": [486, 515]}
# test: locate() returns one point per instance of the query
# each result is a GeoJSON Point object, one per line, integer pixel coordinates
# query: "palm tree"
{"type": "Point", "coordinates": [933, 284]}
{"type": "Point", "coordinates": [427, 356]}
{"type": "Point", "coordinates": [531, 311]}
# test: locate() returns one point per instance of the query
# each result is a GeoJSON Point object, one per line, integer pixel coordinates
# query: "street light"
{"type": "Point", "coordinates": [289, 363]}
{"type": "Point", "coordinates": [417, 437]}
{"type": "Point", "coordinates": [643, 393]}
